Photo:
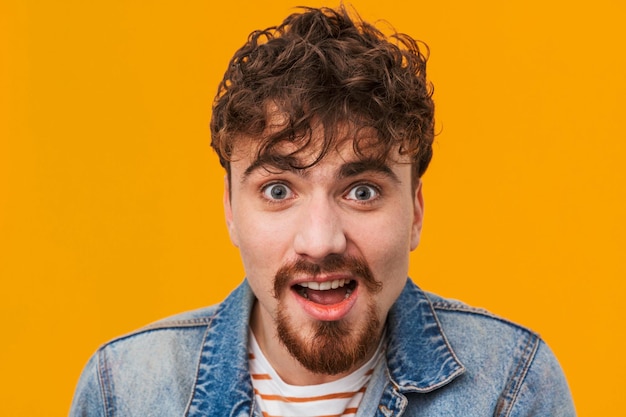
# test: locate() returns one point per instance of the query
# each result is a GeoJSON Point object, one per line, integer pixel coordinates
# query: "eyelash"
{"type": "Point", "coordinates": [350, 188]}
{"type": "Point", "coordinates": [265, 187]}
{"type": "Point", "coordinates": [365, 184]}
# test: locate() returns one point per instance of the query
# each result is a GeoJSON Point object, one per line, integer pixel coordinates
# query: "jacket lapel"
{"type": "Point", "coordinates": [419, 356]}
{"type": "Point", "coordinates": [223, 385]}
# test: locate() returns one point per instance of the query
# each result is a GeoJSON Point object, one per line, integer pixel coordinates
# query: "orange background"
{"type": "Point", "coordinates": [110, 198]}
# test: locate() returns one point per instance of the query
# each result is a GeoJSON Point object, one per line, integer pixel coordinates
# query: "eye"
{"type": "Point", "coordinates": [362, 192]}
{"type": "Point", "coordinates": [277, 191]}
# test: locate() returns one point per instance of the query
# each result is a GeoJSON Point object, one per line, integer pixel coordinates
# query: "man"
{"type": "Point", "coordinates": [325, 127]}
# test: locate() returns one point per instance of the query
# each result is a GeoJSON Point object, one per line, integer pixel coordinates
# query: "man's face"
{"type": "Point", "coordinates": [325, 249]}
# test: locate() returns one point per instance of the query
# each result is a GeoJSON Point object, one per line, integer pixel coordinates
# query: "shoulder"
{"type": "Point", "coordinates": [135, 369]}
{"type": "Point", "coordinates": [482, 339]}
{"type": "Point", "coordinates": [190, 324]}
{"type": "Point", "coordinates": [172, 338]}
{"type": "Point", "coordinates": [508, 358]}
{"type": "Point", "coordinates": [457, 317]}
{"type": "Point", "coordinates": [158, 366]}
{"type": "Point", "coordinates": [188, 319]}
{"type": "Point", "coordinates": [174, 344]}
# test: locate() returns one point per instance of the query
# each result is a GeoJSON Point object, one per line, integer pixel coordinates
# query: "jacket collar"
{"type": "Point", "coordinates": [419, 357]}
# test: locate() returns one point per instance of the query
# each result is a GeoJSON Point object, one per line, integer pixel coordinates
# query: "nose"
{"type": "Point", "coordinates": [320, 231]}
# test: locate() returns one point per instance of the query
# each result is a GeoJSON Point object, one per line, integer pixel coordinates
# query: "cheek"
{"type": "Point", "coordinates": [262, 245]}
{"type": "Point", "coordinates": [386, 249]}
{"type": "Point", "coordinates": [386, 241]}
{"type": "Point", "coordinates": [261, 234]}
{"type": "Point", "coordinates": [392, 270]}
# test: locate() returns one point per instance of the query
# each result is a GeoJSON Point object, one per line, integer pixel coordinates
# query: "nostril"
{"type": "Point", "coordinates": [318, 247]}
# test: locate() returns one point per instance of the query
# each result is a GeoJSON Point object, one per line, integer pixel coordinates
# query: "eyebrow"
{"type": "Point", "coordinates": [347, 170]}
{"type": "Point", "coordinates": [279, 162]}
{"type": "Point", "coordinates": [356, 168]}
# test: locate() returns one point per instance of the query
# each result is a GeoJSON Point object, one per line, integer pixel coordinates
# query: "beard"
{"type": "Point", "coordinates": [335, 347]}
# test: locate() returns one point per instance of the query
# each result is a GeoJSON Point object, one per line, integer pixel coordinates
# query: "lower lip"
{"type": "Point", "coordinates": [330, 312]}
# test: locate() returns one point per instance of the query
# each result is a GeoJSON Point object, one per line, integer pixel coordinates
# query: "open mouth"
{"type": "Point", "coordinates": [327, 292]}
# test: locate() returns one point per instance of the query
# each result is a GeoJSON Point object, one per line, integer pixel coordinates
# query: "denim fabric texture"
{"type": "Point", "coordinates": [443, 358]}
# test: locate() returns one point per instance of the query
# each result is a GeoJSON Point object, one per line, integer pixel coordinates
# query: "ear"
{"type": "Point", "coordinates": [228, 213]}
{"type": "Point", "coordinates": [418, 216]}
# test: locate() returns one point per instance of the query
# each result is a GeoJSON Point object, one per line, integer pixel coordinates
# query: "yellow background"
{"type": "Point", "coordinates": [110, 198]}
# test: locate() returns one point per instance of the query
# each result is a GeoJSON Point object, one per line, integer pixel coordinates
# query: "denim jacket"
{"type": "Point", "coordinates": [443, 358]}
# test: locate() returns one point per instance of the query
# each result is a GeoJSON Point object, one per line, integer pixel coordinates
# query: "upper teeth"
{"type": "Point", "coordinates": [326, 285]}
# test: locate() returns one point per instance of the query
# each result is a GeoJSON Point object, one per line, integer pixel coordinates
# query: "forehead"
{"type": "Point", "coordinates": [304, 151]}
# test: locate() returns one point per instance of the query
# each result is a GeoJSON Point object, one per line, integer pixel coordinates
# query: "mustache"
{"type": "Point", "coordinates": [330, 264]}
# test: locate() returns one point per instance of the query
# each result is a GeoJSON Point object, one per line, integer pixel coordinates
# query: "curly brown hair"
{"type": "Point", "coordinates": [322, 67]}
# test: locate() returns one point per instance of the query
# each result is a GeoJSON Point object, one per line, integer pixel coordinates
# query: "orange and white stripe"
{"type": "Point", "coordinates": [333, 399]}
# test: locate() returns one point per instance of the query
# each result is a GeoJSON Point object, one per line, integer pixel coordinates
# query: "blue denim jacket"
{"type": "Point", "coordinates": [443, 359]}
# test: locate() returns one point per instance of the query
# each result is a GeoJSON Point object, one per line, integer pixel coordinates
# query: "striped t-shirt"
{"type": "Point", "coordinates": [276, 398]}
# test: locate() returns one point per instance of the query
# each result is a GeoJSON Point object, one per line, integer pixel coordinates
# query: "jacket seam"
{"type": "Point", "coordinates": [179, 322]}
{"type": "Point", "coordinates": [182, 324]}
{"type": "Point", "coordinates": [103, 379]}
{"type": "Point", "coordinates": [462, 308]}
{"type": "Point", "coordinates": [253, 406]}
{"type": "Point", "coordinates": [514, 385]}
